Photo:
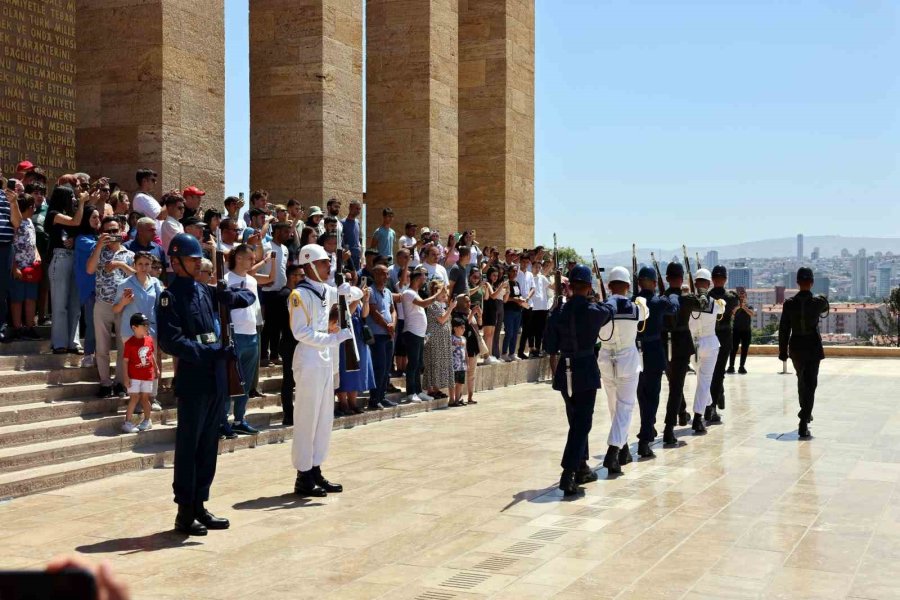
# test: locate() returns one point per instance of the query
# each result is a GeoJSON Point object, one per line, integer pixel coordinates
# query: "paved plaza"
{"type": "Point", "coordinates": [462, 504]}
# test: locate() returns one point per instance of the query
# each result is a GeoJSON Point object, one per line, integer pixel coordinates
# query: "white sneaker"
{"type": "Point", "coordinates": [88, 361]}
{"type": "Point", "coordinates": [425, 397]}
{"type": "Point", "coordinates": [145, 425]}
{"type": "Point", "coordinates": [514, 358]}
{"type": "Point", "coordinates": [129, 427]}
{"type": "Point", "coordinates": [155, 406]}
{"type": "Point", "coordinates": [413, 399]}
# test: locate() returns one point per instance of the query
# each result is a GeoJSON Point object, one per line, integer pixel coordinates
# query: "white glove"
{"type": "Point", "coordinates": [720, 306]}
{"type": "Point", "coordinates": [643, 311]}
{"type": "Point", "coordinates": [344, 289]}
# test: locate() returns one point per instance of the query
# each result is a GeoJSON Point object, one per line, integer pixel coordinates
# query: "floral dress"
{"type": "Point", "coordinates": [438, 356]}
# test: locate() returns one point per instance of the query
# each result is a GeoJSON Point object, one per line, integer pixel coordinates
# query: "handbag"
{"type": "Point", "coordinates": [33, 274]}
{"type": "Point", "coordinates": [482, 345]}
{"type": "Point", "coordinates": [368, 336]}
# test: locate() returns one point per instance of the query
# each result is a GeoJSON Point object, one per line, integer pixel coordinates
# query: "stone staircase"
{"type": "Point", "coordinates": [55, 433]}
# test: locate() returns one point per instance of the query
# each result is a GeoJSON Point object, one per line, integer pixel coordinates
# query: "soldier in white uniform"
{"type": "Point", "coordinates": [315, 360]}
{"type": "Point", "coordinates": [620, 365]}
{"type": "Point", "coordinates": [706, 343]}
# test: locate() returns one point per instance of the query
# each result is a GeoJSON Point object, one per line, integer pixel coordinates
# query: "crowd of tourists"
{"type": "Point", "coordinates": [90, 259]}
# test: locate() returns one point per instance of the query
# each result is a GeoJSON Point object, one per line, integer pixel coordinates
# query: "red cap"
{"type": "Point", "coordinates": [25, 165]}
{"type": "Point", "coordinates": [193, 191]}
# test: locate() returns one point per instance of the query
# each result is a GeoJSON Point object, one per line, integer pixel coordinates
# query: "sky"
{"type": "Point", "coordinates": [706, 122]}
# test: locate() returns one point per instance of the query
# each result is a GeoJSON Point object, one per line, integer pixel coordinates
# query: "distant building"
{"type": "Point", "coordinates": [740, 277]}
{"type": "Point", "coordinates": [814, 255]}
{"type": "Point", "coordinates": [711, 260]}
{"type": "Point", "coordinates": [799, 246]}
{"type": "Point", "coordinates": [883, 280]}
{"type": "Point", "coordinates": [821, 285]}
{"type": "Point", "coordinates": [860, 274]}
{"type": "Point", "coordinates": [845, 253]}
{"type": "Point", "coordinates": [853, 319]}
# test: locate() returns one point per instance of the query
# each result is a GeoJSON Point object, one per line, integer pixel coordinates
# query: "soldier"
{"type": "Point", "coordinates": [654, 355]}
{"type": "Point", "coordinates": [189, 330]}
{"type": "Point", "coordinates": [620, 365]}
{"type": "Point", "coordinates": [703, 330]}
{"type": "Point", "coordinates": [572, 330]}
{"type": "Point", "coordinates": [315, 364]}
{"type": "Point", "coordinates": [798, 337]}
{"type": "Point", "coordinates": [680, 345]}
{"type": "Point", "coordinates": [725, 335]}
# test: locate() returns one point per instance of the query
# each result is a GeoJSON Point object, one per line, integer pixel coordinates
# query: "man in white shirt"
{"type": "Point", "coordinates": [540, 307]}
{"type": "Point", "coordinates": [143, 201]}
{"type": "Point", "coordinates": [271, 335]}
{"type": "Point", "coordinates": [525, 279]}
{"type": "Point", "coordinates": [174, 209]}
{"type": "Point", "coordinates": [233, 206]}
{"type": "Point", "coordinates": [432, 268]}
{"type": "Point", "coordinates": [228, 235]}
{"type": "Point", "coordinates": [409, 241]}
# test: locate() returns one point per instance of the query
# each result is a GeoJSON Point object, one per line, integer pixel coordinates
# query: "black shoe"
{"type": "Point", "coordinates": [698, 426]}
{"type": "Point", "coordinates": [60, 351]}
{"type": "Point", "coordinates": [186, 523]}
{"type": "Point", "coordinates": [119, 390]}
{"type": "Point", "coordinates": [392, 389]}
{"type": "Point", "coordinates": [254, 393]}
{"type": "Point", "coordinates": [244, 428]}
{"type": "Point", "coordinates": [209, 520]}
{"type": "Point", "coordinates": [625, 455]}
{"type": "Point", "coordinates": [30, 334]}
{"type": "Point", "coordinates": [6, 335]}
{"type": "Point", "coordinates": [669, 438]}
{"type": "Point", "coordinates": [585, 474]}
{"type": "Point", "coordinates": [644, 450]}
{"type": "Point", "coordinates": [567, 483]}
{"type": "Point", "coordinates": [720, 402]}
{"type": "Point", "coordinates": [105, 391]}
{"type": "Point", "coordinates": [742, 371]}
{"type": "Point", "coordinates": [611, 460]}
{"type": "Point", "coordinates": [803, 431]}
{"type": "Point", "coordinates": [306, 486]}
{"type": "Point", "coordinates": [714, 416]}
{"type": "Point", "coordinates": [684, 418]}
{"type": "Point", "coordinates": [287, 422]}
{"type": "Point", "coordinates": [438, 395]}
{"type": "Point", "coordinates": [265, 362]}
{"type": "Point", "coordinates": [76, 350]}
{"type": "Point", "coordinates": [387, 403]}
{"type": "Point", "coordinates": [374, 406]}
{"type": "Point", "coordinates": [226, 433]}
{"type": "Point", "coordinates": [730, 370]}
{"type": "Point", "coordinates": [331, 488]}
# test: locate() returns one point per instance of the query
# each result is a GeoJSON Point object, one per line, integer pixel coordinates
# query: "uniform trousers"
{"type": "Point", "coordinates": [717, 385]}
{"type": "Point", "coordinates": [621, 394]}
{"type": "Point", "coordinates": [580, 414]}
{"type": "Point", "coordinates": [676, 372]}
{"type": "Point", "coordinates": [197, 446]}
{"type": "Point", "coordinates": [706, 365]}
{"type": "Point", "coordinates": [649, 385]}
{"type": "Point", "coordinates": [313, 413]}
{"type": "Point", "coordinates": [286, 350]}
{"type": "Point", "coordinates": [807, 379]}
{"type": "Point", "coordinates": [739, 338]}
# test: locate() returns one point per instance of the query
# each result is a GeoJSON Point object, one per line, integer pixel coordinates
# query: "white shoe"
{"type": "Point", "coordinates": [413, 399]}
{"type": "Point", "coordinates": [514, 358]}
{"type": "Point", "coordinates": [129, 427]}
{"type": "Point", "coordinates": [425, 397]}
{"type": "Point", "coordinates": [145, 425]}
{"type": "Point", "coordinates": [155, 406]}
{"type": "Point", "coordinates": [88, 361]}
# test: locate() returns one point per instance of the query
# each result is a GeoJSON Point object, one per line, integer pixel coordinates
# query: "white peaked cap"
{"type": "Point", "coordinates": [703, 274]}
{"type": "Point", "coordinates": [311, 253]}
{"type": "Point", "coordinates": [620, 274]}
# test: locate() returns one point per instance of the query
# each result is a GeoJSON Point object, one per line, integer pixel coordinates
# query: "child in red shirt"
{"type": "Point", "coordinates": [141, 371]}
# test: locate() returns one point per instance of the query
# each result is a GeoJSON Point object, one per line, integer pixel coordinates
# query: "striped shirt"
{"type": "Point", "coordinates": [6, 228]}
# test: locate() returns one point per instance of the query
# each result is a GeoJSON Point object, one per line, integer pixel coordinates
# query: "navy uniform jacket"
{"type": "Point", "coordinates": [572, 331]}
{"type": "Point", "coordinates": [650, 339]}
{"type": "Point", "coordinates": [798, 331]}
{"type": "Point", "coordinates": [732, 301]}
{"type": "Point", "coordinates": [184, 311]}
{"type": "Point", "coordinates": [676, 326]}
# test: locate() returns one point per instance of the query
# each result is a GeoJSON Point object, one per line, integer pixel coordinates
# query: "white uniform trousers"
{"type": "Point", "coordinates": [620, 382]}
{"type": "Point", "coordinates": [313, 415]}
{"type": "Point", "coordinates": [706, 364]}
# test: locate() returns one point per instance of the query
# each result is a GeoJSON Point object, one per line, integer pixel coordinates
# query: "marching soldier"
{"type": "Point", "coordinates": [315, 364]}
{"type": "Point", "coordinates": [703, 330]}
{"type": "Point", "coordinates": [620, 365]}
{"type": "Point", "coordinates": [654, 355]}
{"type": "Point", "coordinates": [799, 338]}
{"type": "Point", "coordinates": [189, 330]}
{"type": "Point", "coordinates": [725, 334]}
{"type": "Point", "coordinates": [572, 331]}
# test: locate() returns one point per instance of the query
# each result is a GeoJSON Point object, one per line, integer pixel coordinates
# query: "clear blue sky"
{"type": "Point", "coordinates": [700, 122]}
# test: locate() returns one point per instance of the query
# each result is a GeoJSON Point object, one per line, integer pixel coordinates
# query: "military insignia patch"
{"type": "Point", "coordinates": [164, 301]}
{"type": "Point", "coordinates": [295, 301]}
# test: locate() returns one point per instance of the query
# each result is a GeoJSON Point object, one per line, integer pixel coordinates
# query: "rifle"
{"type": "Point", "coordinates": [634, 270]}
{"type": "Point", "coordinates": [597, 271]}
{"type": "Point", "coordinates": [348, 347]}
{"type": "Point", "coordinates": [235, 380]}
{"type": "Point", "coordinates": [687, 267]}
{"type": "Point", "coordinates": [697, 254]}
{"type": "Point", "coordinates": [557, 277]}
{"type": "Point", "coordinates": [660, 282]}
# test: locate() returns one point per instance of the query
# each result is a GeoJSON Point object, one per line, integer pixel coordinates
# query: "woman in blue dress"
{"type": "Point", "coordinates": [363, 380]}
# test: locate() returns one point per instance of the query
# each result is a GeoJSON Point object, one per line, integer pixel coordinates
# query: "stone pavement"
{"type": "Point", "coordinates": [461, 504]}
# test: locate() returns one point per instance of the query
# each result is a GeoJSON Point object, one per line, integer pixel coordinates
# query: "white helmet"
{"type": "Point", "coordinates": [619, 274]}
{"type": "Point", "coordinates": [703, 274]}
{"type": "Point", "coordinates": [310, 253]}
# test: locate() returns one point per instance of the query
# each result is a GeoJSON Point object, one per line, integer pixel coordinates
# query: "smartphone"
{"type": "Point", "coordinates": [68, 584]}
{"type": "Point", "coordinates": [207, 235]}
{"type": "Point", "coordinates": [273, 255]}
{"type": "Point", "coordinates": [363, 282]}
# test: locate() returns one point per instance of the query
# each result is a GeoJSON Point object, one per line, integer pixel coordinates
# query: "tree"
{"type": "Point", "coordinates": [886, 325]}
{"type": "Point", "coordinates": [766, 335]}
{"type": "Point", "coordinates": [567, 253]}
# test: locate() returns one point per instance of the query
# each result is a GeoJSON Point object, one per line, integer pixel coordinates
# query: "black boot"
{"type": "Point", "coordinates": [209, 520]}
{"type": "Point", "coordinates": [567, 483]}
{"type": "Point", "coordinates": [803, 430]}
{"type": "Point", "coordinates": [625, 455]}
{"type": "Point", "coordinates": [185, 522]}
{"type": "Point", "coordinates": [698, 426]}
{"type": "Point", "coordinates": [714, 416]}
{"type": "Point", "coordinates": [331, 488]}
{"type": "Point", "coordinates": [585, 474]}
{"type": "Point", "coordinates": [611, 460]}
{"type": "Point", "coordinates": [644, 450]}
{"type": "Point", "coordinates": [720, 401]}
{"type": "Point", "coordinates": [305, 485]}
{"type": "Point", "coordinates": [669, 438]}
{"type": "Point", "coordinates": [684, 417]}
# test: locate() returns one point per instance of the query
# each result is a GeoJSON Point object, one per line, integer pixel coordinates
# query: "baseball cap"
{"type": "Point", "coordinates": [25, 165]}
{"type": "Point", "coordinates": [139, 319]}
{"type": "Point", "coordinates": [193, 190]}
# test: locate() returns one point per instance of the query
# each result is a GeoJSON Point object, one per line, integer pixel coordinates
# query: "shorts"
{"type": "Point", "coordinates": [140, 386]}
{"type": "Point", "coordinates": [399, 344]}
{"type": "Point", "coordinates": [19, 290]}
{"type": "Point", "coordinates": [459, 377]}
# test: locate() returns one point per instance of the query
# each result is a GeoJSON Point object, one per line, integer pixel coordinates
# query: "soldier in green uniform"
{"type": "Point", "coordinates": [725, 335]}
{"type": "Point", "coordinates": [799, 339]}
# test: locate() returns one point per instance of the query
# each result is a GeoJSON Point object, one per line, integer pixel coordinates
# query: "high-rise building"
{"type": "Point", "coordinates": [799, 246]}
{"type": "Point", "coordinates": [860, 273]}
{"type": "Point", "coordinates": [740, 275]}
{"type": "Point", "coordinates": [883, 280]}
{"type": "Point", "coordinates": [814, 255]}
{"type": "Point", "coordinates": [821, 285]}
{"type": "Point", "coordinates": [711, 260]}
{"type": "Point", "coordinates": [845, 253]}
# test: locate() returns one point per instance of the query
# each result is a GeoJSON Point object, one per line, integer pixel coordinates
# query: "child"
{"type": "Point", "coordinates": [26, 273]}
{"type": "Point", "coordinates": [458, 346]}
{"type": "Point", "coordinates": [156, 269]}
{"type": "Point", "coordinates": [141, 371]}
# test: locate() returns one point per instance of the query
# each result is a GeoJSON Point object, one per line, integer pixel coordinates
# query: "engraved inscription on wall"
{"type": "Point", "coordinates": [37, 84]}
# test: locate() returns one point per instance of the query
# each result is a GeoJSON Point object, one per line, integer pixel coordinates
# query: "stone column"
{"type": "Point", "coordinates": [496, 121]}
{"type": "Point", "coordinates": [306, 99]}
{"type": "Point", "coordinates": [151, 92]}
{"type": "Point", "coordinates": [412, 112]}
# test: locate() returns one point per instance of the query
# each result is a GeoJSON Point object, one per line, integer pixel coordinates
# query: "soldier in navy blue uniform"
{"type": "Point", "coordinates": [572, 331]}
{"type": "Point", "coordinates": [725, 334]}
{"type": "Point", "coordinates": [799, 339]}
{"type": "Point", "coordinates": [189, 330]}
{"type": "Point", "coordinates": [654, 354]}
